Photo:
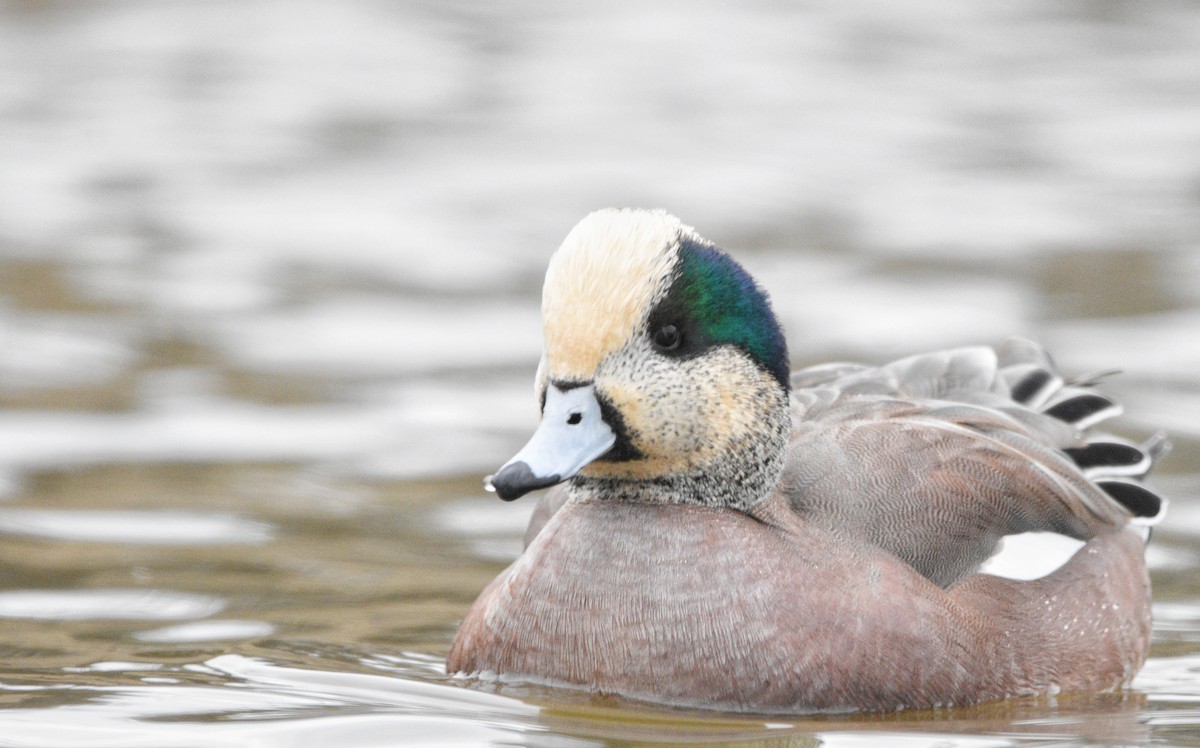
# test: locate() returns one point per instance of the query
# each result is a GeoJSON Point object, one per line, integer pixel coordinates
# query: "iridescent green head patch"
{"type": "Point", "coordinates": [713, 301]}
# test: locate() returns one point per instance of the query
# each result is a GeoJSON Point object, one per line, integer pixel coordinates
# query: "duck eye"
{"type": "Point", "coordinates": [666, 338]}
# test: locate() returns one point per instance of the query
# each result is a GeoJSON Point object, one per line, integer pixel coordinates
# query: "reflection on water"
{"type": "Point", "coordinates": [86, 605]}
{"type": "Point", "coordinates": [268, 308]}
{"type": "Point", "coordinates": [207, 631]}
{"type": "Point", "coordinates": [156, 528]}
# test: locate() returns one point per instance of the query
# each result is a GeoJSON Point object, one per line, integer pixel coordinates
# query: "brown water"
{"type": "Point", "coordinates": [268, 309]}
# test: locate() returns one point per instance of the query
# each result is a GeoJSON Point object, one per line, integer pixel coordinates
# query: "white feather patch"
{"type": "Point", "coordinates": [1031, 555]}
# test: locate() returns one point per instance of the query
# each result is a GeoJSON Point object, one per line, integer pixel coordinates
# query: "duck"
{"type": "Point", "coordinates": [724, 534]}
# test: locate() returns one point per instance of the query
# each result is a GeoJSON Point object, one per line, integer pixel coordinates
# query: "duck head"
{"type": "Point", "coordinates": [665, 372]}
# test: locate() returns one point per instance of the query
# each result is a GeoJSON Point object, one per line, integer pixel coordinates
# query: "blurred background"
{"type": "Point", "coordinates": [269, 290]}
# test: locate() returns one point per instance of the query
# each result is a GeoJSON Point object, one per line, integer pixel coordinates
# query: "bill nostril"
{"type": "Point", "coordinates": [574, 419]}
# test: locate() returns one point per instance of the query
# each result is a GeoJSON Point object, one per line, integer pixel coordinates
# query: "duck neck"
{"type": "Point", "coordinates": [742, 476]}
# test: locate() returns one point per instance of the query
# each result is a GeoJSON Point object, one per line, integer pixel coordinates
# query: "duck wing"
{"type": "Point", "coordinates": [936, 457]}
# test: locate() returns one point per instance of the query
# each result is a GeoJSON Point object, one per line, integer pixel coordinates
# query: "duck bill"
{"type": "Point", "coordinates": [572, 434]}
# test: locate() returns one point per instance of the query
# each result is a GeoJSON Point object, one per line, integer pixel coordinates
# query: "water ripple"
{"type": "Point", "coordinates": [147, 528]}
{"type": "Point", "coordinates": [207, 631]}
{"type": "Point", "coordinates": [107, 604]}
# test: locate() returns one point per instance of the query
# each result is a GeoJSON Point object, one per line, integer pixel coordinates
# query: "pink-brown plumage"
{"type": "Point", "coordinates": [819, 551]}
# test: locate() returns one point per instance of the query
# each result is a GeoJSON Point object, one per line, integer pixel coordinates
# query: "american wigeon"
{"type": "Point", "coordinates": [731, 537]}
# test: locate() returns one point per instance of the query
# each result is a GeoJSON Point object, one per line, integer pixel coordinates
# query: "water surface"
{"type": "Point", "coordinates": [268, 308]}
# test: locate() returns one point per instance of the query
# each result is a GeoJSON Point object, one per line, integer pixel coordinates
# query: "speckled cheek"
{"type": "Point", "coordinates": [656, 403]}
{"type": "Point", "coordinates": [684, 412]}
{"type": "Point", "coordinates": [735, 394]}
{"type": "Point", "coordinates": [663, 416]}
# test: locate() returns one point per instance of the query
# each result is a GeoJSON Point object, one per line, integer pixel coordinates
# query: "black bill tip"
{"type": "Point", "coordinates": [516, 479]}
